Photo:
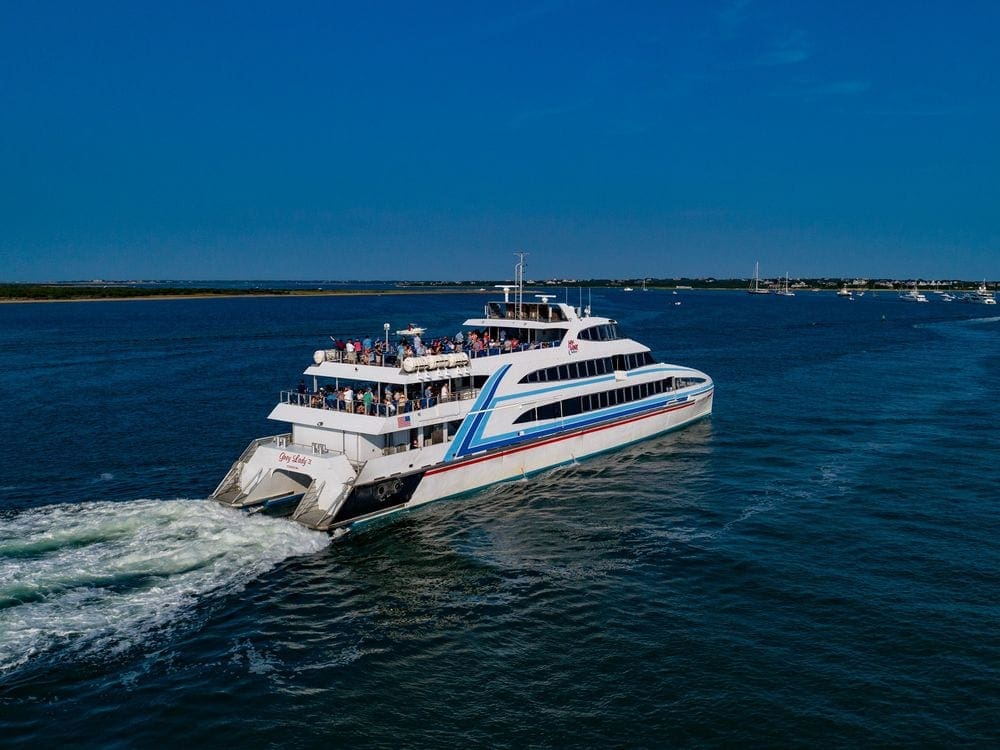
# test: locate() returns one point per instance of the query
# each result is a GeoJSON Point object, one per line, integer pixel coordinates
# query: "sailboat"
{"type": "Point", "coordinates": [755, 284]}
{"type": "Point", "coordinates": [644, 288]}
{"type": "Point", "coordinates": [786, 292]}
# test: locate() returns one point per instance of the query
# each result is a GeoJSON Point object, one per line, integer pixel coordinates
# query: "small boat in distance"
{"type": "Point", "coordinates": [982, 296]}
{"type": "Point", "coordinates": [411, 330]}
{"type": "Point", "coordinates": [628, 289]}
{"type": "Point", "coordinates": [786, 292]}
{"type": "Point", "coordinates": [844, 292]}
{"type": "Point", "coordinates": [755, 282]}
{"type": "Point", "coordinates": [914, 295]}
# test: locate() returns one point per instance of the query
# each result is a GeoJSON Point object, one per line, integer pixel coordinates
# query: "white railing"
{"type": "Point", "coordinates": [330, 402]}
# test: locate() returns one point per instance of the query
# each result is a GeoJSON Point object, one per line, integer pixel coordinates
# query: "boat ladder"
{"type": "Point", "coordinates": [308, 511]}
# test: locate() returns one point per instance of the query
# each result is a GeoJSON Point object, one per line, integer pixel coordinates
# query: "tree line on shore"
{"type": "Point", "coordinates": [120, 290]}
{"type": "Point", "coordinates": [93, 291]}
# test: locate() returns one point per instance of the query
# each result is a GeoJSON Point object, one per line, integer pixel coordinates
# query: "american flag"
{"type": "Point", "coordinates": [403, 421]}
{"type": "Point", "coordinates": [572, 346]}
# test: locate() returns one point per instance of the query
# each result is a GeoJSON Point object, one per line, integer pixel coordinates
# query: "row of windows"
{"type": "Point", "coordinates": [527, 311]}
{"type": "Point", "coordinates": [588, 368]}
{"type": "Point", "coordinates": [604, 332]}
{"type": "Point", "coordinates": [592, 401]}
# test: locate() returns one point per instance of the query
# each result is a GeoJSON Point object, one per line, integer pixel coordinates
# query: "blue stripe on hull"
{"type": "Point", "coordinates": [460, 445]}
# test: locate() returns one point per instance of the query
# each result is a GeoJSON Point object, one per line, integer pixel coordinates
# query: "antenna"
{"type": "Point", "coordinates": [545, 298]}
{"type": "Point", "coordinates": [506, 291]}
{"type": "Point", "coordinates": [519, 277]}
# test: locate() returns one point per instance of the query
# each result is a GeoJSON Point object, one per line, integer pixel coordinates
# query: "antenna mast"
{"type": "Point", "coordinates": [519, 278]}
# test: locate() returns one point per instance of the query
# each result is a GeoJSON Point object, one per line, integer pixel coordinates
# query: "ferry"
{"type": "Point", "coordinates": [530, 385]}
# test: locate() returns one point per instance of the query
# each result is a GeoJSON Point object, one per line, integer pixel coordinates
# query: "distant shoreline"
{"type": "Point", "coordinates": [34, 293]}
{"type": "Point", "coordinates": [239, 295]}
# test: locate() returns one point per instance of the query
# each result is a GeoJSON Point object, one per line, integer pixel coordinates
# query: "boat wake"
{"type": "Point", "coordinates": [100, 578]}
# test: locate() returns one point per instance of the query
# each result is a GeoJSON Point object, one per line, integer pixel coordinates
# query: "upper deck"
{"type": "Point", "coordinates": [537, 314]}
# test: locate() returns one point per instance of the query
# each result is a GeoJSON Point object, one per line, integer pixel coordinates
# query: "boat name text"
{"type": "Point", "coordinates": [294, 458]}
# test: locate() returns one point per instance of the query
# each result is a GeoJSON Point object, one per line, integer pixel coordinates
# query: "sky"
{"type": "Point", "coordinates": [328, 140]}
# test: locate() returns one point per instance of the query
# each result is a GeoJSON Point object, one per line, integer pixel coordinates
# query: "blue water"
{"type": "Point", "coordinates": [818, 564]}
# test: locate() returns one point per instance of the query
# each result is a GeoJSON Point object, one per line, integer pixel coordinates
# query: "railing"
{"type": "Point", "coordinates": [372, 357]}
{"type": "Point", "coordinates": [330, 402]}
{"type": "Point", "coordinates": [495, 350]}
{"type": "Point", "coordinates": [387, 359]}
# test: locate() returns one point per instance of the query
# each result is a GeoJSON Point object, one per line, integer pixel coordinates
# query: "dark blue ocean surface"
{"type": "Point", "coordinates": [816, 565]}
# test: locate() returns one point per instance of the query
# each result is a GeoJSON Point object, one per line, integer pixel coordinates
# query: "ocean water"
{"type": "Point", "coordinates": [816, 565]}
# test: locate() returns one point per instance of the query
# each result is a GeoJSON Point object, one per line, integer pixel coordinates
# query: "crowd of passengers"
{"type": "Point", "coordinates": [475, 344]}
{"type": "Point", "coordinates": [368, 402]}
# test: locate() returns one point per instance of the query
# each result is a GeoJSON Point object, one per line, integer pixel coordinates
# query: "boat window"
{"type": "Point", "coordinates": [551, 336]}
{"type": "Point", "coordinates": [549, 411]}
{"type": "Point", "coordinates": [685, 382]}
{"type": "Point", "coordinates": [603, 332]}
{"type": "Point", "coordinates": [591, 402]}
{"type": "Point", "coordinates": [589, 368]}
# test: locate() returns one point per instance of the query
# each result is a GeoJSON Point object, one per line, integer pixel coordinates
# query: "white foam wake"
{"type": "Point", "coordinates": [103, 577]}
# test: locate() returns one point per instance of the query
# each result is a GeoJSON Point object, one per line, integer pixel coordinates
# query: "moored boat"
{"type": "Point", "coordinates": [785, 291]}
{"type": "Point", "coordinates": [914, 295]}
{"type": "Point", "coordinates": [981, 296]}
{"type": "Point", "coordinates": [755, 287]}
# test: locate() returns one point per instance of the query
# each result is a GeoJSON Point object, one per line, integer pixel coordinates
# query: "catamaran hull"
{"type": "Point", "coordinates": [333, 497]}
{"type": "Point", "coordinates": [447, 480]}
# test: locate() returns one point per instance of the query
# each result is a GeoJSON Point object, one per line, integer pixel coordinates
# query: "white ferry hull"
{"type": "Point", "coordinates": [518, 462]}
{"type": "Point", "coordinates": [335, 498]}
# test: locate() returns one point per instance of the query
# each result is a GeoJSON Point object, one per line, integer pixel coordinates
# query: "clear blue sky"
{"type": "Point", "coordinates": [431, 140]}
